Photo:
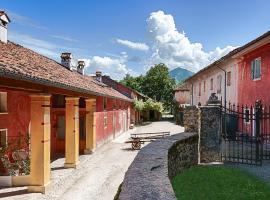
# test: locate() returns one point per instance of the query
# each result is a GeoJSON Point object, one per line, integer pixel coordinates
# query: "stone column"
{"type": "Point", "coordinates": [90, 143]}
{"type": "Point", "coordinates": [40, 132]}
{"type": "Point", "coordinates": [209, 134]}
{"type": "Point", "coordinates": [72, 132]}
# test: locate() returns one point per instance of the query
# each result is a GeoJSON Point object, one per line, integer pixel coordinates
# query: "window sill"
{"type": "Point", "coordinates": [3, 113]}
{"type": "Point", "coordinates": [257, 79]}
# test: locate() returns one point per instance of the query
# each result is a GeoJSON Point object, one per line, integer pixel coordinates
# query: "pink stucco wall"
{"type": "Point", "coordinates": [213, 73]}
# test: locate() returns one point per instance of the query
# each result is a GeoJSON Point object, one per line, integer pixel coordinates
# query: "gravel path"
{"type": "Point", "coordinates": [98, 175]}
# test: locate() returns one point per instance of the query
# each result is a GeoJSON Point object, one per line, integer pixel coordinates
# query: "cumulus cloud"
{"type": "Point", "coordinates": [133, 45]}
{"type": "Point", "coordinates": [115, 67]}
{"type": "Point", "coordinates": [174, 48]}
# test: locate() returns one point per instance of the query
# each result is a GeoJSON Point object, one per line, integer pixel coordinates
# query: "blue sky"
{"type": "Point", "coordinates": [121, 36]}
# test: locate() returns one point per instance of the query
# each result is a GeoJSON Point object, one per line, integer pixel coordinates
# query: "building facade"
{"type": "Point", "coordinates": [49, 108]}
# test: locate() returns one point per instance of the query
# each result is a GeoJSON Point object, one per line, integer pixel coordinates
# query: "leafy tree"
{"type": "Point", "coordinates": [133, 82]}
{"type": "Point", "coordinates": [158, 84]}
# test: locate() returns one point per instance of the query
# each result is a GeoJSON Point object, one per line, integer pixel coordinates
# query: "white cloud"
{"type": "Point", "coordinates": [65, 38]}
{"type": "Point", "coordinates": [174, 48]}
{"type": "Point", "coordinates": [133, 45]}
{"type": "Point", "coordinates": [24, 21]}
{"type": "Point", "coordinates": [115, 67]}
{"type": "Point", "coordinates": [38, 45]}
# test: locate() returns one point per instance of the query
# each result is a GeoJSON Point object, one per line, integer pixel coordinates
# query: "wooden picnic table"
{"type": "Point", "coordinates": [136, 139]}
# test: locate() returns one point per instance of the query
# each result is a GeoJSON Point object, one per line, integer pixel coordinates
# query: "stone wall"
{"type": "Point", "coordinates": [209, 134]}
{"type": "Point", "coordinates": [148, 177]}
{"type": "Point", "coordinates": [191, 119]}
{"type": "Point", "coordinates": [183, 154]}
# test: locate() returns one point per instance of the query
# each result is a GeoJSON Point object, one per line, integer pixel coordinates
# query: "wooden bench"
{"type": "Point", "coordinates": [136, 139]}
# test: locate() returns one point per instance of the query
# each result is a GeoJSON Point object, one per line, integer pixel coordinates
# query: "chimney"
{"type": "Point", "coordinates": [68, 61]}
{"type": "Point", "coordinates": [4, 20]}
{"type": "Point", "coordinates": [99, 76]}
{"type": "Point", "coordinates": [80, 67]}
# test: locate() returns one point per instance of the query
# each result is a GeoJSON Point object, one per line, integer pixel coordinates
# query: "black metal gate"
{"type": "Point", "coordinates": [245, 133]}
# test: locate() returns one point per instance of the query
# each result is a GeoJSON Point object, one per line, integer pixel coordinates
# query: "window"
{"type": "Point", "coordinates": [211, 84]}
{"type": "Point", "coordinates": [256, 69]}
{"type": "Point", "coordinates": [104, 103]}
{"type": "Point", "coordinates": [229, 78]}
{"type": "Point", "coordinates": [247, 116]}
{"type": "Point", "coordinates": [3, 102]}
{"type": "Point", "coordinates": [204, 86]}
{"type": "Point", "coordinates": [200, 89]}
{"type": "Point", "coordinates": [219, 83]}
{"type": "Point", "coordinates": [3, 138]}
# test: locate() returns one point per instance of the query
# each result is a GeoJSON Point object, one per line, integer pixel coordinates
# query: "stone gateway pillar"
{"type": "Point", "coordinates": [72, 132]}
{"type": "Point", "coordinates": [209, 134]}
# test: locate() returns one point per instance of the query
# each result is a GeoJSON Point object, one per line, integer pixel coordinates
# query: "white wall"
{"type": "Point", "coordinates": [214, 72]}
{"type": "Point", "coordinates": [3, 34]}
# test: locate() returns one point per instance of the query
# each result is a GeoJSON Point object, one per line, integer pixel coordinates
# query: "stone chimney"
{"type": "Point", "coordinates": [68, 62]}
{"type": "Point", "coordinates": [80, 67]}
{"type": "Point", "coordinates": [99, 76]}
{"type": "Point", "coordinates": [4, 20]}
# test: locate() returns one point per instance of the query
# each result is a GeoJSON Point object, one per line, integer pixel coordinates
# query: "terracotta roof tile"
{"type": "Point", "coordinates": [24, 64]}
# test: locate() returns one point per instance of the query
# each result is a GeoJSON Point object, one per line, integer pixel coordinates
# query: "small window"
{"type": "Point", "coordinates": [211, 84]}
{"type": "Point", "coordinates": [104, 103]}
{"type": "Point", "coordinates": [3, 102]}
{"type": "Point", "coordinates": [219, 83]}
{"type": "Point", "coordinates": [247, 115]}
{"type": "Point", "coordinates": [204, 86]}
{"type": "Point", "coordinates": [200, 89]}
{"type": "Point", "coordinates": [229, 78]}
{"type": "Point", "coordinates": [3, 138]}
{"type": "Point", "coordinates": [256, 69]}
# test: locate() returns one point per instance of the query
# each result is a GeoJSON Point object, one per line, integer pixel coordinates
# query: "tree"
{"type": "Point", "coordinates": [158, 85]}
{"type": "Point", "coordinates": [133, 82]}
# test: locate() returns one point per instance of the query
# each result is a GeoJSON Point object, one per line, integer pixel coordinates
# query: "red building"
{"type": "Point", "coordinates": [254, 71]}
{"type": "Point", "coordinates": [59, 108]}
{"type": "Point", "coordinates": [130, 93]}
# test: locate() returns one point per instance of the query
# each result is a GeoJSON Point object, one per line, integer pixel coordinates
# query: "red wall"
{"type": "Point", "coordinates": [249, 90]}
{"type": "Point", "coordinates": [114, 116]}
{"type": "Point", "coordinates": [18, 117]}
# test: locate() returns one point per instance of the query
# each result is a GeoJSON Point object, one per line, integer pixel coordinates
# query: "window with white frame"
{"type": "Point", "coordinates": [3, 102]}
{"type": "Point", "coordinates": [256, 69]}
{"type": "Point", "coordinates": [3, 138]}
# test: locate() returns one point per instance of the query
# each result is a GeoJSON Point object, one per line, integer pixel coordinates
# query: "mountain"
{"type": "Point", "coordinates": [179, 74]}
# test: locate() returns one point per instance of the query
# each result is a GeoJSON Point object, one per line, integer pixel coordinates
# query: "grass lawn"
{"type": "Point", "coordinates": [219, 182]}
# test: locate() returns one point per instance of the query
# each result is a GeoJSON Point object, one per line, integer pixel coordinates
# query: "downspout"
{"type": "Point", "coordinates": [192, 94]}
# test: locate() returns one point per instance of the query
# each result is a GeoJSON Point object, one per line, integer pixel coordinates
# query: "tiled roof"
{"type": "Point", "coordinates": [20, 63]}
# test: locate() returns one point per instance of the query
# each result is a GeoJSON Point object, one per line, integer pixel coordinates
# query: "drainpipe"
{"type": "Point", "coordinates": [225, 84]}
{"type": "Point", "coordinates": [192, 94]}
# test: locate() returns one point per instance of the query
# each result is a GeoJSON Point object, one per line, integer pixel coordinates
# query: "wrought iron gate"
{"type": "Point", "coordinates": [245, 133]}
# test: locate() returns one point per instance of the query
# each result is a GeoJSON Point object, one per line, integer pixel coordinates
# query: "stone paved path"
{"type": "Point", "coordinates": [98, 175]}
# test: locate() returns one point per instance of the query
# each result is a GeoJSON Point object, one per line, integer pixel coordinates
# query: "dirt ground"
{"type": "Point", "coordinates": [98, 175]}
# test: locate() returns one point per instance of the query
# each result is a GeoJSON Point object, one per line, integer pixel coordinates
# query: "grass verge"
{"type": "Point", "coordinates": [219, 182]}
